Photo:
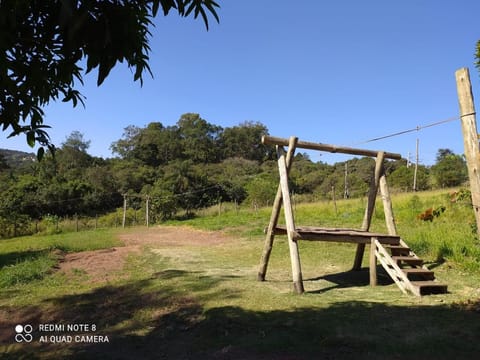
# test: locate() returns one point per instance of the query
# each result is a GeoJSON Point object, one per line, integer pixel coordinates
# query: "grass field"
{"type": "Point", "coordinates": [194, 295]}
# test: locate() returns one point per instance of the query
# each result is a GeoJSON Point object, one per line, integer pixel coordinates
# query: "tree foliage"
{"type": "Point", "coordinates": [43, 43]}
{"type": "Point", "coordinates": [184, 167]}
{"type": "Point", "coordinates": [450, 169]}
{"type": "Point", "coordinates": [244, 139]}
{"type": "Point", "coordinates": [402, 178]}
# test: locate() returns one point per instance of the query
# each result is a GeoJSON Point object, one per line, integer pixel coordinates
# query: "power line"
{"type": "Point", "coordinates": [418, 128]}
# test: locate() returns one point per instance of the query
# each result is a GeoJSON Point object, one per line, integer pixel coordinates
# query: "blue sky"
{"type": "Point", "coordinates": [338, 72]}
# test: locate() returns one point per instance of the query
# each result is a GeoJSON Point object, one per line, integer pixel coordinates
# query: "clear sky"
{"type": "Point", "coordinates": [338, 72]}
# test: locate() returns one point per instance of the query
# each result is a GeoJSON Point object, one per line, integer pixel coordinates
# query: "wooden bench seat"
{"type": "Point", "coordinates": [356, 236]}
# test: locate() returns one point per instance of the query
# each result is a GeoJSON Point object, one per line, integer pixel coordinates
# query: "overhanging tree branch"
{"type": "Point", "coordinates": [43, 41]}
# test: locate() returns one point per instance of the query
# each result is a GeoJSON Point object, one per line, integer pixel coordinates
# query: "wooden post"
{"type": "Point", "coordinates": [76, 222]}
{"type": "Point", "coordinates": [277, 205]}
{"type": "Point", "coordinates": [334, 200]}
{"type": "Point", "coordinates": [147, 217]}
{"type": "Point", "coordinates": [373, 262]}
{"type": "Point", "coordinates": [290, 223]}
{"type": "Point", "coordinates": [124, 210]}
{"type": "Point", "coordinates": [345, 191]}
{"type": "Point", "coordinates": [387, 206]}
{"type": "Point", "coordinates": [416, 169]}
{"type": "Point", "coordinates": [470, 138]}
{"type": "Point", "coordinates": [372, 196]}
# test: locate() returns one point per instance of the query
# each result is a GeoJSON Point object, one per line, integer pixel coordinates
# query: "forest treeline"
{"type": "Point", "coordinates": [182, 168]}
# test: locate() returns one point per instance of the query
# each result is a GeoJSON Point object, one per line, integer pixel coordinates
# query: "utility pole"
{"type": "Point", "coordinates": [470, 137]}
{"type": "Point", "coordinates": [345, 192]}
{"type": "Point", "coordinates": [416, 168]}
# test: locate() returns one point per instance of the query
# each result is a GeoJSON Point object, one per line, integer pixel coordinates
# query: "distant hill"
{"type": "Point", "coordinates": [15, 159]}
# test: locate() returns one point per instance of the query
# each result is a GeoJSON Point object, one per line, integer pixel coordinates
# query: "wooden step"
{"type": "Point", "coordinates": [408, 260]}
{"type": "Point", "coordinates": [398, 250]}
{"type": "Point", "coordinates": [430, 287]}
{"type": "Point", "coordinates": [419, 274]}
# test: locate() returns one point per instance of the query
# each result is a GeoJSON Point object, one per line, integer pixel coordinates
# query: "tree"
{"type": "Point", "coordinates": [477, 55]}
{"type": "Point", "coordinates": [261, 190]}
{"type": "Point", "coordinates": [402, 178]}
{"type": "Point", "coordinates": [153, 145]}
{"type": "Point", "coordinates": [72, 156]}
{"type": "Point", "coordinates": [157, 145]}
{"type": "Point", "coordinates": [43, 42]}
{"type": "Point", "coordinates": [76, 142]}
{"type": "Point", "coordinates": [450, 169]}
{"type": "Point", "coordinates": [199, 138]}
{"type": "Point", "coordinates": [231, 176]}
{"type": "Point", "coordinates": [164, 203]}
{"type": "Point", "coordinates": [245, 141]}
{"type": "Point", "coordinates": [189, 184]}
{"type": "Point", "coordinates": [3, 163]}
{"type": "Point", "coordinates": [125, 146]}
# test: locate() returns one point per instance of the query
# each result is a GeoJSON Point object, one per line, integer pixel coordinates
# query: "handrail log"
{"type": "Point", "coordinates": [271, 140]}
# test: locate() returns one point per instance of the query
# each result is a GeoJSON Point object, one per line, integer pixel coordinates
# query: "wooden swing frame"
{"type": "Point", "coordinates": [360, 237]}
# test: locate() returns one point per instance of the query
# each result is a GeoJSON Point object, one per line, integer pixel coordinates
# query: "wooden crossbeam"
{"type": "Point", "coordinates": [270, 140]}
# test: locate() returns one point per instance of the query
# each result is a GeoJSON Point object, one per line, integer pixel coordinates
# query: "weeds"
{"type": "Point", "coordinates": [27, 270]}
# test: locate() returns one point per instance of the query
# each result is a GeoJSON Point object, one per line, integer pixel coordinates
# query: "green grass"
{"type": "Point", "coordinates": [448, 237]}
{"type": "Point", "coordinates": [202, 302]}
{"type": "Point", "coordinates": [69, 242]}
{"type": "Point", "coordinates": [24, 271]}
{"type": "Point", "coordinates": [28, 259]}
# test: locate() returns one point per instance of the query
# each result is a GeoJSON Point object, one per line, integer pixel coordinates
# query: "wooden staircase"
{"type": "Point", "coordinates": [407, 269]}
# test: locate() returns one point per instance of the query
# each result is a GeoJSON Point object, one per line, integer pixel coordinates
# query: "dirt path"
{"type": "Point", "coordinates": [105, 265]}
{"type": "Point", "coordinates": [110, 303]}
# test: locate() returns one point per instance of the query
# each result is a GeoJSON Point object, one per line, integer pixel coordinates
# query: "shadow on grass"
{"type": "Point", "coordinates": [351, 278]}
{"type": "Point", "coordinates": [153, 319]}
{"type": "Point", "coordinates": [431, 265]}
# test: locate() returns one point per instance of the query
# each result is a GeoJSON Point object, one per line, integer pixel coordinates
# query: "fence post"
{"type": "Point", "coordinates": [146, 211]}
{"type": "Point", "coordinates": [470, 137]}
{"type": "Point", "coordinates": [124, 210]}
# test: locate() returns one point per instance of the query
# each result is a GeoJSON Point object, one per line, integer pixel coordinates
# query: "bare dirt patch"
{"type": "Point", "coordinates": [173, 236]}
{"type": "Point", "coordinates": [99, 265]}
{"type": "Point", "coordinates": [111, 304]}
{"type": "Point", "coordinates": [105, 265]}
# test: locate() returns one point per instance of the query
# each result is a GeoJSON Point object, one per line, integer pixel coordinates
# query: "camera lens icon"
{"type": "Point", "coordinates": [23, 333]}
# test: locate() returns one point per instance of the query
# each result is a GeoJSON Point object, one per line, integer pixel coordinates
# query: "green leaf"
{"type": "Point", "coordinates": [189, 10]}
{"type": "Point", "coordinates": [156, 5]}
{"type": "Point", "coordinates": [211, 7]}
{"type": "Point", "coordinates": [31, 138]}
{"type": "Point", "coordinates": [167, 5]}
{"type": "Point", "coordinates": [40, 153]}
